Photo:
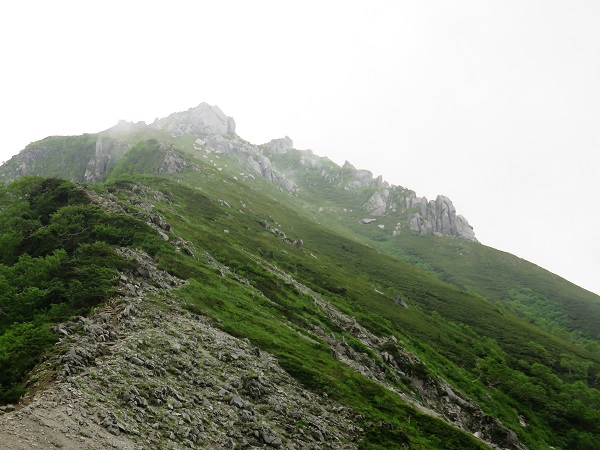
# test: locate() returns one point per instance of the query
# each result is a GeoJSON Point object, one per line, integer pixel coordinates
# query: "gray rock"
{"type": "Point", "coordinates": [237, 401]}
{"type": "Point", "coordinates": [204, 118]}
{"type": "Point", "coordinates": [173, 163]}
{"type": "Point", "coordinates": [137, 361]}
{"type": "Point", "coordinates": [362, 178]}
{"type": "Point", "coordinates": [280, 146]}
{"type": "Point", "coordinates": [262, 165]}
{"type": "Point", "coordinates": [400, 302]}
{"type": "Point", "coordinates": [230, 125]}
{"type": "Point", "coordinates": [377, 205]}
{"type": "Point", "coordinates": [271, 439]}
{"type": "Point", "coordinates": [439, 216]}
{"type": "Point", "coordinates": [107, 151]}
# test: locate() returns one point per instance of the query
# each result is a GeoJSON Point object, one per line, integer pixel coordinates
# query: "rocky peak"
{"type": "Point", "coordinates": [123, 127]}
{"type": "Point", "coordinates": [204, 118]}
{"type": "Point", "coordinates": [279, 146]}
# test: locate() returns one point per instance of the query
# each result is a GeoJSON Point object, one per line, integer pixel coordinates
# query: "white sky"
{"type": "Point", "coordinates": [494, 104]}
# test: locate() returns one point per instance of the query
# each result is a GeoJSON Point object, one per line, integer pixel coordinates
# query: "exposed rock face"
{"type": "Point", "coordinates": [173, 163]}
{"type": "Point", "coordinates": [108, 150]}
{"type": "Point", "coordinates": [435, 216]}
{"type": "Point", "coordinates": [262, 165]}
{"type": "Point", "coordinates": [230, 125]}
{"type": "Point", "coordinates": [26, 162]}
{"type": "Point", "coordinates": [218, 144]}
{"type": "Point", "coordinates": [217, 136]}
{"type": "Point", "coordinates": [378, 204]}
{"type": "Point", "coordinates": [431, 395]}
{"type": "Point", "coordinates": [144, 373]}
{"type": "Point", "coordinates": [362, 178]}
{"type": "Point", "coordinates": [123, 128]}
{"type": "Point", "coordinates": [440, 216]}
{"type": "Point", "coordinates": [204, 118]}
{"type": "Point", "coordinates": [280, 146]}
{"type": "Point", "coordinates": [309, 160]}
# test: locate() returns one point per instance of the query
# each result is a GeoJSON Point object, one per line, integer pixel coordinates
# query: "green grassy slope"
{"type": "Point", "coordinates": [536, 294]}
{"type": "Point", "coordinates": [458, 322]}
{"type": "Point", "coordinates": [510, 280]}
{"type": "Point", "coordinates": [487, 351]}
{"type": "Point", "coordinates": [55, 156]}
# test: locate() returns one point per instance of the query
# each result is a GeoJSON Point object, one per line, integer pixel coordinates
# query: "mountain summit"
{"type": "Point", "coordinates": [172, 285]}
{"type": "Point", "coordinates": [206, 130]}
{"type": "Point", "coordinates": [204, 118]}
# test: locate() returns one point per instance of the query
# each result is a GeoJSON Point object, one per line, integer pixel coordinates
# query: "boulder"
{"type": "Point", "coordinates": [400, 302]}
{"type": "Point", "coordinates": [378, 203]}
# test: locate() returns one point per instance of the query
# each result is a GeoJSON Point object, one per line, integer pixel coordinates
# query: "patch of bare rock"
{"type": "Point", "coordinates": [141, 372]}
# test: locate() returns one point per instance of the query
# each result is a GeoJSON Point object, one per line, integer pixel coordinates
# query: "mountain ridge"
{"type": "Point", "coordinates": [423, 339]}
{"type": "Point", "coordinates": [214, 133]}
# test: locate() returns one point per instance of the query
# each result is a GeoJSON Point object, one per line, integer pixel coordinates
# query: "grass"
{"type": "Point", "coordinates": [473, 313]}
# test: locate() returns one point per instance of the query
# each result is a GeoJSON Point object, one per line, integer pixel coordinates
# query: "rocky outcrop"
{"type": "Point", "coordinates": [108, 150]}
{"type": "Point", "coordinates": [388, 360]}
{"type": "Point", "coordinates": [278, 232]}
{"type": "Point", "coordinates": [279, 146]}
{"type": "Point", "coordinates": [142, 372]}
{"type": "Point", "coordinates": [218, 144]}
{"type": "Point", "coordinates": [440, 216]}
{"type": "Point", "coordinates": [431, 217]}
{"type": "Point", "coordinates": [362, 178]}
{"type": "Point", "coordinates": [203, 119]}
{"type": "Point", "coordinates": [173, 163]}
{"type": "Point", "coordinates": [263, 166]}
{"type": "Point", "coordinates": [22, 164]}
{"type": "Point", "coordinates": [123, 128]}
{"type": "Point", "coordinates": [379, 203]}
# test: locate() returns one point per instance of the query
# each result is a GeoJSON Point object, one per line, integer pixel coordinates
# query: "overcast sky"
{"type": "Point", "coordinates": [494, 104]}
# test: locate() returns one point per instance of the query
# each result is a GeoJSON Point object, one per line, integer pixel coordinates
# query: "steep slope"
{"type": "Point", "coordinates": [144, 367]}
{"type": "Point", "coordinates": [319, 267]}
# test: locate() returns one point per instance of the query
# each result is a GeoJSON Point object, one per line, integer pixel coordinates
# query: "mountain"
{"type": "Point", "coordinates": [171, 285]}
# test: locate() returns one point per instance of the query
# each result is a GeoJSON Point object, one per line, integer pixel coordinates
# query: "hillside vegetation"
{"type": "Point", "coordinates": [430, 341]}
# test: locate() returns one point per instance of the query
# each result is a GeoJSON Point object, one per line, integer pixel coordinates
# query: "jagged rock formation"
{"type": "Point", "coordinates": [124, 128]}
{"type": "Point", "coordinates": [439, 216]}
{"type": "Point", "coordinates": [204, 118]}
{"type": "Point", "coordinates": [214, 134]}
{"type": "Point", "coordinates": [107, 152]}
{"type": "Point", "coordinates": [417, 213]}
{"type": "Point", "coordinates": [435, 216]}
{"type": "Point", "coordinates": [25, 163]}
{"type": "Point", "coordinates": [173, 163]}
{"type": "Point", "coordinates": [279, 146]}
{"type": "Point", "coordinates": [263, 166]}
{"type": "Point", "coordinates": [380, 203]}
